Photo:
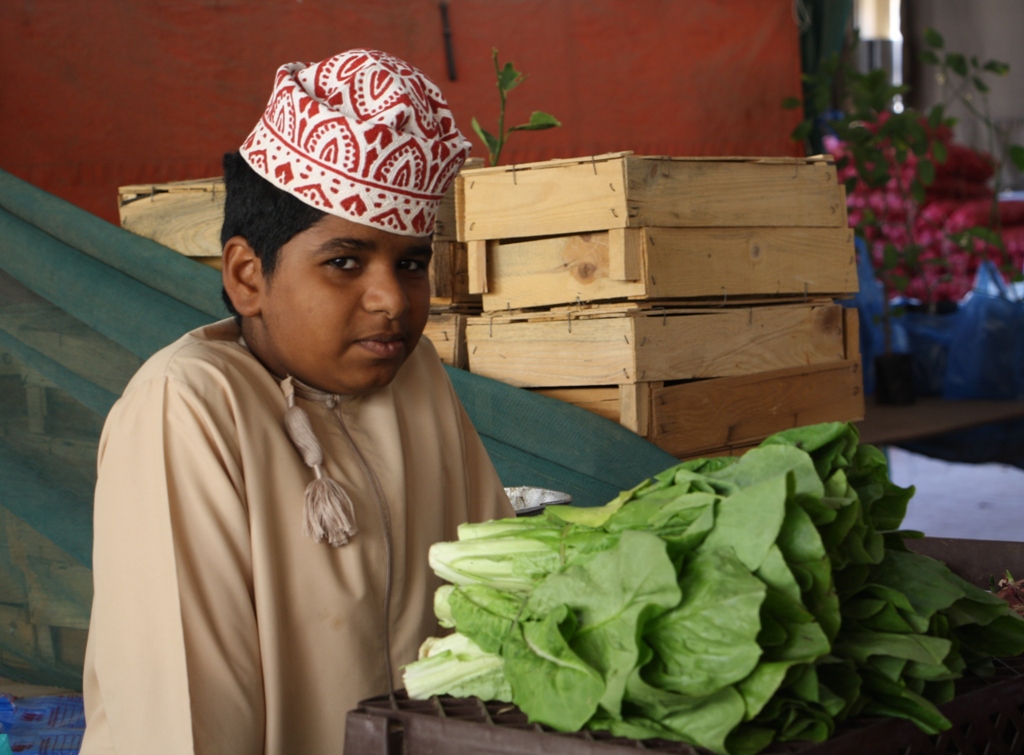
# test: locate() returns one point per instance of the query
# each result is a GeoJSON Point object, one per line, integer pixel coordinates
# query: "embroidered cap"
{"type": "Point", "coordinates": [362, 135]}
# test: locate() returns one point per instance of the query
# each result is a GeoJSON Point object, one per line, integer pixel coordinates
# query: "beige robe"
{"type": "Point", "coordinates": [217, 626]}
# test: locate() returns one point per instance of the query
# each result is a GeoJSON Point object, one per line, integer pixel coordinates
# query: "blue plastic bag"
{"type": "Point", "coordinates": [930, 337]}
{"type": "Point", "coordinates": [986, 353]}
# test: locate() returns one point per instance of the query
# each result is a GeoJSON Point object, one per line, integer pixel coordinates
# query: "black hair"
{"type": "Point", "coordinates": [264, 215]}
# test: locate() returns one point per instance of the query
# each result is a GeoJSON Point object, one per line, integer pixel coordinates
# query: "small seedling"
{"type": "Point", "coordinates": [508, 79]}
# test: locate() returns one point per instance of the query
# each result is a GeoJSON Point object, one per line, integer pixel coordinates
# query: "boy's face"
{"type": "Point", "coordinates": [345, 306]}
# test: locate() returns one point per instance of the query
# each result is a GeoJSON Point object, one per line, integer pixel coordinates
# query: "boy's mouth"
{"type": "Point", "coordinates": [390, 346]}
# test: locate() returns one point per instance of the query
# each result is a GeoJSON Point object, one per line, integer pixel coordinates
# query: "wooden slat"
{"type": "Point", "coordinates": [442, 272]}
{"type": "Point", "coordinates": [703, 194]}
{"type": "Point", "coordinates": [635, 406]}
{"type": "Point", "coordinates": [690, 419]}
{"type": "Point", "coordinates": [618, 350]}
{"type": "Point", "coordinates": [689, 263]}
{"type": "Point", "coordinates": [851, 330]}
{"type": "Point", "coordinates": [449, 274]}
{"type": "Point", "coordinates": [135, 191]}
{"type": "Point", "coordinates": [555, 270]}
{"type": "Point", "coordinates": [651, 308]}
{"type": "Point", "coordinates": [447, 331]}
{"type": "Point", "coordinates": [737, 342]}
{"type": "Point", "coordinates": [188, 222]}
{"type": "Point", "coordinates": [553, 353]}
{"type": "Point", "coordinates": [724, 262]}
{"type": "Point", "coordinates": [564, 197]}
{"type": "Point", "coordinates": [625, 254]}
{"type": "Point", "coordinates": [713, 453]}
{"type": "Point", "coordinates": [602, 400]}
{"type": "Point", "coordinates": [476, 266]}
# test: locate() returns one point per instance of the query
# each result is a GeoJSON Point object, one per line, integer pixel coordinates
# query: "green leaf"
{"type": "Point", "coordinates": [859, 645]}
{"type": "Point", "coordinates": [933, 39]}
{"type": "Point", "coordinates": [1001, 638]}
{"type": "Point", "coordinates": [927, 56]}
{"type": "Point", "coordinates": [710, 640]}
{"type": "Point", "coordinates": [550, 682]}
{"type": "Point", "coordinates": [484, 614]}
{"type": "Point", "coordinates": [802, 131]}
{"type": "Point", "coordinates": [704, 721]}
{"type": "Point", "coordinates": [926, 172]}
{"type": "Point", "coordinates": [748, 739]}
{"type": "Point", "coordinates": [489, 140]}
{"type": "Point", "coordinates": [957, 62]}
{"type": "Point", "coordinates": [1016, 153]}
{"type": "Point", "coordinates": [509, 78]}
{"type": "Point", "coordinates": [889, 698]}
{"type": "Point", "coordinates": [538, 122]}
{"type": "Point", "coordinates": [917, 192]}
{"type": "Point", "coordinates": [980, 85]}
{"type": "Point", "coordinates": [997, 67]}
{"type": "Point", "coordinates": [749, 521]}
{"type": "Point", "coordinates": [613, 595]}
{"type": "Point", "coordinates": [792, 103]}
{"type": "Point", "coordinates": [939, 152]}
{"type": "Point", "coordinates": [927, 583]}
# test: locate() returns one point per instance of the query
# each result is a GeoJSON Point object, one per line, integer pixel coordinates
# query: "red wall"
{"type": "Point", "coordinates": [101, 93]}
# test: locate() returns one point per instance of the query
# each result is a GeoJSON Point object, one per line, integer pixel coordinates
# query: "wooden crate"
{"type": "Point", "coordinates": [726, 416]}
{"type": "Point", "coordinates": [622, 345]}
{"type": "Point", "coordinates": [621, 190]}
{"type": "Point", "coordinates": [662, 263]}
{"type": "Point", "coordinates": [447, 331]}
{"type": "Point", "coordinates": [183, 215]}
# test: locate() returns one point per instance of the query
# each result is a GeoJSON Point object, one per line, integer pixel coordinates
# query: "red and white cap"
{"type": "Point", "coordinates": [362, 135]}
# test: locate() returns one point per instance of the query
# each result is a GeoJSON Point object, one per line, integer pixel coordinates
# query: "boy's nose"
{"type": "Point", "coordinates": [384, 293]}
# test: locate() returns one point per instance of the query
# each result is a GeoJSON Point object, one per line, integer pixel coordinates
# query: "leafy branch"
{"type": "Point", "coordinates": [509, 78]}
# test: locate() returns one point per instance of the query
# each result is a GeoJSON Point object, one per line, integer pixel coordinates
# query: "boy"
{"type": "Point", "coordinates": [269, 485]}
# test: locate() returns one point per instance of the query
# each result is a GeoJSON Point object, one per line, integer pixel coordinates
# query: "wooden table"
{"type": "Point", "coordinates": [930, 416]}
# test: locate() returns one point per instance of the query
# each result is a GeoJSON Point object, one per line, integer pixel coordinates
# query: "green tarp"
{"type": "Point", "coordinates": [82, 303]}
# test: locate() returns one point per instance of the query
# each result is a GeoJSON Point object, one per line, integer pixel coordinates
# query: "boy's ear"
{"type": "Point", "coordinates": [242, 274]}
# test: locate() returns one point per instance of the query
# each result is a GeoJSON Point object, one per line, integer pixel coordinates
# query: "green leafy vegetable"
{"type": "Point", "coordinates": [729, 603]}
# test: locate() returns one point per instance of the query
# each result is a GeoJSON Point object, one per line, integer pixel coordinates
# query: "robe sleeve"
{"type": "Point", "coordinates": [173, 660]}
{"type": "Point", "coordinates": [487, 499]}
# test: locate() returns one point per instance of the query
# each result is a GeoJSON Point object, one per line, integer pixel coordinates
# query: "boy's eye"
{"type": "Point", "coordinates": [344, 263]}
{"type": "Point", "coordinates": [413, 265]}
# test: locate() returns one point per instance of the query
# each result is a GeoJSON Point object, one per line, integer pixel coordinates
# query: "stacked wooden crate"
{"type": "Point", "coordinates": [451, 302]}
{"type": "Point", "coordinates": [690, 299]}
{"type": "Point", "coordinates": [184, 215]}
{"type": "Point", "coordinates": [187, 217]}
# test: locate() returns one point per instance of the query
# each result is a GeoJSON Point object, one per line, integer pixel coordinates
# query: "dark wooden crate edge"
{"type": "Point", "coordinates": [989, 716]}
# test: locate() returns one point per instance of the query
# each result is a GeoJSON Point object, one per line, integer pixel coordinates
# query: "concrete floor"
{"type": "Point", "coordinates": [969, 501]}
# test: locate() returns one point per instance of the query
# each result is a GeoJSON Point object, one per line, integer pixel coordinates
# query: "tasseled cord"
{"type": "Point", "coordinates": [328, 509]}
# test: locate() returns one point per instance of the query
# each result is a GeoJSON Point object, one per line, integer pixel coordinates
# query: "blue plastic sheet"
{"type": "Point", "coordinates": [51, 725]}
{"type": "Point", "coordinates": [987, 346]}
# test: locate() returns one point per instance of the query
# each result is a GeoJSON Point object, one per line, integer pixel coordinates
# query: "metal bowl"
{"type": "Point", "coordinates": [529, 501]}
